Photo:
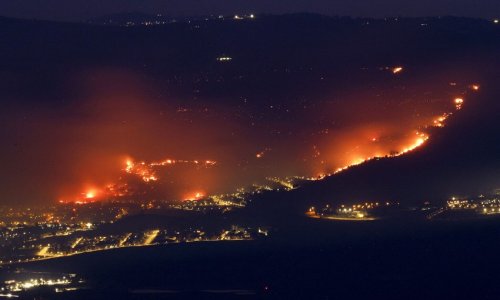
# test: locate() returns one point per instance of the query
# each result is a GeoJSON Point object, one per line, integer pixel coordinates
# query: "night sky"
{"type": "Point", "coordinates": [75, 10]}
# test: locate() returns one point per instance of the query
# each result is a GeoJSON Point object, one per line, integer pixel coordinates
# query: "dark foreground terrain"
{"type": "Point", "coordinates": [313, 259]}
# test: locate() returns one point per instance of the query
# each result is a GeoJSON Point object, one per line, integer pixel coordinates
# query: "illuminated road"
{"type": "Point", "coordinates": [44, 252]}
{"type": "Point", "coordinates": [435, 213]}
{"type": "Point", "coordinates": [338, 218]}
{"type": "Point", "coordinates": [150, 237]}
{"type": "Point", "coordinates": [76, 243]}
{"type": "Point", "coordinates": [124, 239]}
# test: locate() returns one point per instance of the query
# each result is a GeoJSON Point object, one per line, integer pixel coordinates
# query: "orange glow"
{"type": "Point", "coordinates": [147, 171]}
{"type": "Point", "coordinates": [129, 165]}
{"type": "Point", "coordinates": [195, 196]}
{"type": "Point", "coordinates": [418, 142]}
{"type": "Point", "coordinates": [191, 157]}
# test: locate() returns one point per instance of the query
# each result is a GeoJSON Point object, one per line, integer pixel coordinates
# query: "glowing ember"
{"type": "Point", "coordinates": [262, 153]}
{"type": "Point", "coordinates": [439, 121]}
{"type": "Point", "coordinates": [397, 70]}
{"type": "Point", "coordinates": [458, 103]}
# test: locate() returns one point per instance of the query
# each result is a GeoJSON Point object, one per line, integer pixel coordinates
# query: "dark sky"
{"type": "Point", "coordinates": [75, 10]}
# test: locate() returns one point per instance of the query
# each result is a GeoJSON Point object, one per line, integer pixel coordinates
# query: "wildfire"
{"type": "Point", "coordinates": [195, 196]}
{"type": "Point", "coordinates": [419, 141]}
{"type": "Point", "coordinates": [147, 170]}
{"type": "Point", "coordinates": [375, 143]}
{"type": "Point", "coordinates": [439, 121]}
